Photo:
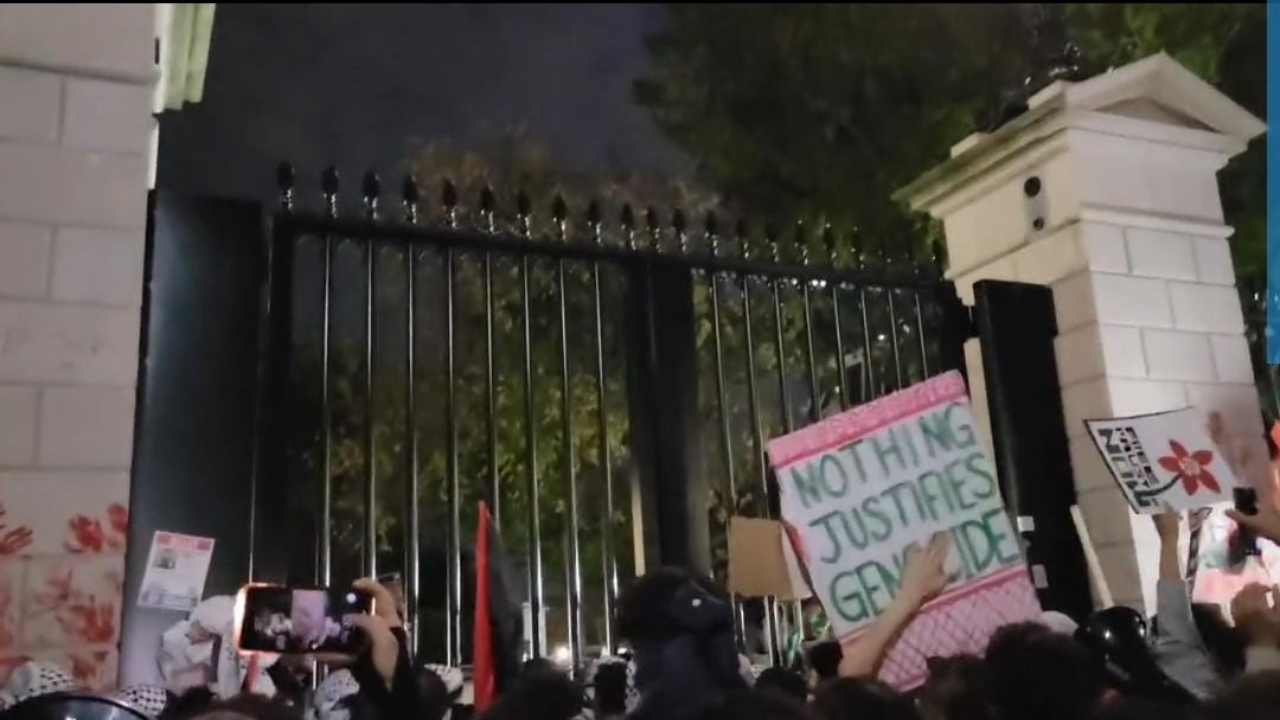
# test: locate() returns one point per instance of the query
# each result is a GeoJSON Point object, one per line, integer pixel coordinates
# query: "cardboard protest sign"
{"type": "Point", "coordinates": [863, 487]}
{"type": "Point", "coordinates": [1164, 461]}
{"type": "Point", "coordinates": [762, 562]}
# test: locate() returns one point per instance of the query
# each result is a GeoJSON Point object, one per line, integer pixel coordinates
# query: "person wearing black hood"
{"type": "Point", "coordinates": [681, 630]}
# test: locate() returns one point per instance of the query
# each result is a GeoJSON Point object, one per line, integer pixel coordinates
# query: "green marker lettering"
{"type": "Point", "coordinates": [956, 477]}
{"type": "Point", "coordinates": [963, 432]}
{"type": "Point", "coordinates": [891, 450]}
{"type": "Point", "coordinates": [977, 465]}
{"type": "Point", "coordinates": [841, 484]}
{"type": "Point", "coordinates": [806, 485]}
{"type": "Point", "coordinates": [937, 433]}
{"type": "Point", "coordinates": [852, 451]}
{"type": "Point", "coordinates": [827, 521]}
{"type": "Point", "coordinates": [876, 578]}
{"type": "Point", "coordinates": [871, 508]}
{"type": "Point", "coordinates": [895, 492]}
{"type": "Point", "coordinates": [998, 527]}
{"type": "Point", "coordinates": [846, 595]}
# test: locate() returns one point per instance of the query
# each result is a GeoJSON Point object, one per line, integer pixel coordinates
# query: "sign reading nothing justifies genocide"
{"type": "Point", "coordinates": [1164, 461]}
{"type": "Point", "coordinates": [860, 489]}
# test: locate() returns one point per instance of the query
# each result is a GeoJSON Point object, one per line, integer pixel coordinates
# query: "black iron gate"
{"type": "Point", "coordinates": [605, 381]}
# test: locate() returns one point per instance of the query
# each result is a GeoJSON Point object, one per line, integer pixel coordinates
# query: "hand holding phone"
{"type": "Point", "coordinates": [277, 619]}
{"type": "Point", "coordinates": [378, 628]}
{"type": "Point", "coordinates": [1246, 501]}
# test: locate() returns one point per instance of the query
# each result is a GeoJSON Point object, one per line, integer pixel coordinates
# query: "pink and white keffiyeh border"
{"type": "Point", "coordinates": [847, 426]}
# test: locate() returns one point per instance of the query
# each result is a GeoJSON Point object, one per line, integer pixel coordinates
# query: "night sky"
{"type": "Point", "coordinates": [362, 85]}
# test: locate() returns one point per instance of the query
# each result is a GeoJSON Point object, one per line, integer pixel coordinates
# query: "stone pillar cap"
{"type": "Point", "coordinates": [1155, 98]}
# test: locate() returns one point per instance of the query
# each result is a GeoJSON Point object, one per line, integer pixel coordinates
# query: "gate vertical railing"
{"type": "Point", "coordinates": [382, 426]}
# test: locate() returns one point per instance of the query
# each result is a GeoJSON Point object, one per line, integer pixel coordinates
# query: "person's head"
{"type": "Point", "coordinates": [1225, 644]}
{"type": "Point", "coordinates": [539, 667]}
{"type": "Point", "coordinates": [824, 661]}
{"type": "Point", "coordinates": [861, 699]}
{"type": "Point", "coordinates": [434, 694]}
{"type": "Point", "coordinates": [1031, 671]}
{"type": "Point", "coordinates": [645, 608]}
{"type": "Point", "coordinates": [1254, 697]}
{"type": "Point", "coordinates": [192, 701]}
{"type": "Point", "coordinates": [539, 696]}
{"type": "Point", "coordinates": [784, 681]}
{"type": "Point", "coordinates": [754, 705]}
{"type": "Point", "coordinates": [610, 686]}
{"type": "Point", "coordinates": [681, 632]}
{"type": "Point", "coordinates": [954, 690]}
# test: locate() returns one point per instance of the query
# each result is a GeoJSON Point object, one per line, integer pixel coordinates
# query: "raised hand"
{"type": "Point", "coordinates": [924, 575]}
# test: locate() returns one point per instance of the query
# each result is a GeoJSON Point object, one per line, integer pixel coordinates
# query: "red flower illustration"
{"type": "Point", "coordinates": [1191, 468]}
{"type": "Point", "coordinates": [87, 535]}
{"type": "Point", "coordinates": [13, 540]}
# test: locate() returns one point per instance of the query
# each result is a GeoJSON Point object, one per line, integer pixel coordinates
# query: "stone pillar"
{"type": "Point", "coordinates": [1106, 191]}
{"type": "Point", "coordinates": [75, 137]}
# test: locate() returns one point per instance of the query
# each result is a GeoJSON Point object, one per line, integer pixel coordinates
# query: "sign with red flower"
{"type": "Point", "coordinates": [1164, 460]}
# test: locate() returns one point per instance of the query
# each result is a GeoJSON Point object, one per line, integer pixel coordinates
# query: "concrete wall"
{"type": "Point", "coordinates": [75, 137]}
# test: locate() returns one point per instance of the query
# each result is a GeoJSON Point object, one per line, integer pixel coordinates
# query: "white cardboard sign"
{"type": "Point", "coordinates": [1164, 461]}
{"type": "Point", "coordinates": [861, 488]}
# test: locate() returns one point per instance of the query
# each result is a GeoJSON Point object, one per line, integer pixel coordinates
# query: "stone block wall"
{"type": "Point", "coordinates": [75, 137]}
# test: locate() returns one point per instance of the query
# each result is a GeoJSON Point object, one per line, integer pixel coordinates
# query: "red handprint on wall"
{"type": "Point", "coordinates": [13, 539]}
{"type": "Point", "coordinates": [87, 668]}
{"type": "Point", "coordinates": [79, 613]}
{"type": "Point", "coordinates": [86, 535]}
{"type": "Point", "coordinates": [118, 518]}
{"type": "Point", "coordinates": [89, 536]}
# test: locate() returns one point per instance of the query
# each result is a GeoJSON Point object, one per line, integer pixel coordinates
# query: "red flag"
{"type": "Point", "coordinates": [483, 675]}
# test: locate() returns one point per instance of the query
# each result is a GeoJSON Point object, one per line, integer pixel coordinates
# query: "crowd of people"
{"type": "Point", "coordinates": [1190, 662]}
{"type": "Point", "coordinates": [684, 664]}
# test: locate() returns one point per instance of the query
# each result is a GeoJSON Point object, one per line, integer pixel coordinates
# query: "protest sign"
{"type": "Point", "coordinates": [863, 487]}
{"type": "Point", "coordinates": [1164, 461]}
{"type": "Point", "coordinates": [762, 562]}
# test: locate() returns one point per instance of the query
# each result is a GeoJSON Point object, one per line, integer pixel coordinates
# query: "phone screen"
{"type": "Point", "coordinates": [300, 620]}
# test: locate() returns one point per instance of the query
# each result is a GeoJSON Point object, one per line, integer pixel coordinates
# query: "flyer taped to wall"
{"type": "Point", "coordinates": [1164, 461]}
{"type": "Point", "coordinates": [177, 567]}
{"type": "Point", "coordinates": [863, 487]}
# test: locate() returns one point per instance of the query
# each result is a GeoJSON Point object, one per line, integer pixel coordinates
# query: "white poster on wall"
{"type": "Point", "coordinates": [177, 567]}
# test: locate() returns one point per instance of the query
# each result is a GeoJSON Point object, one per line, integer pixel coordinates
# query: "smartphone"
{"type": "Point", "coordinates": [1246, 500]}
{"type": "Point", "coordinates": [278, 619]}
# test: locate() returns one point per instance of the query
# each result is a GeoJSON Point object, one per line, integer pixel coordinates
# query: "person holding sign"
{"type": "Point", "coordinates": [1192, 644]}
{"type": "Point", "coordinates": [865, 492]}
{"type": "Point", "coordinates": [923, 578]}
